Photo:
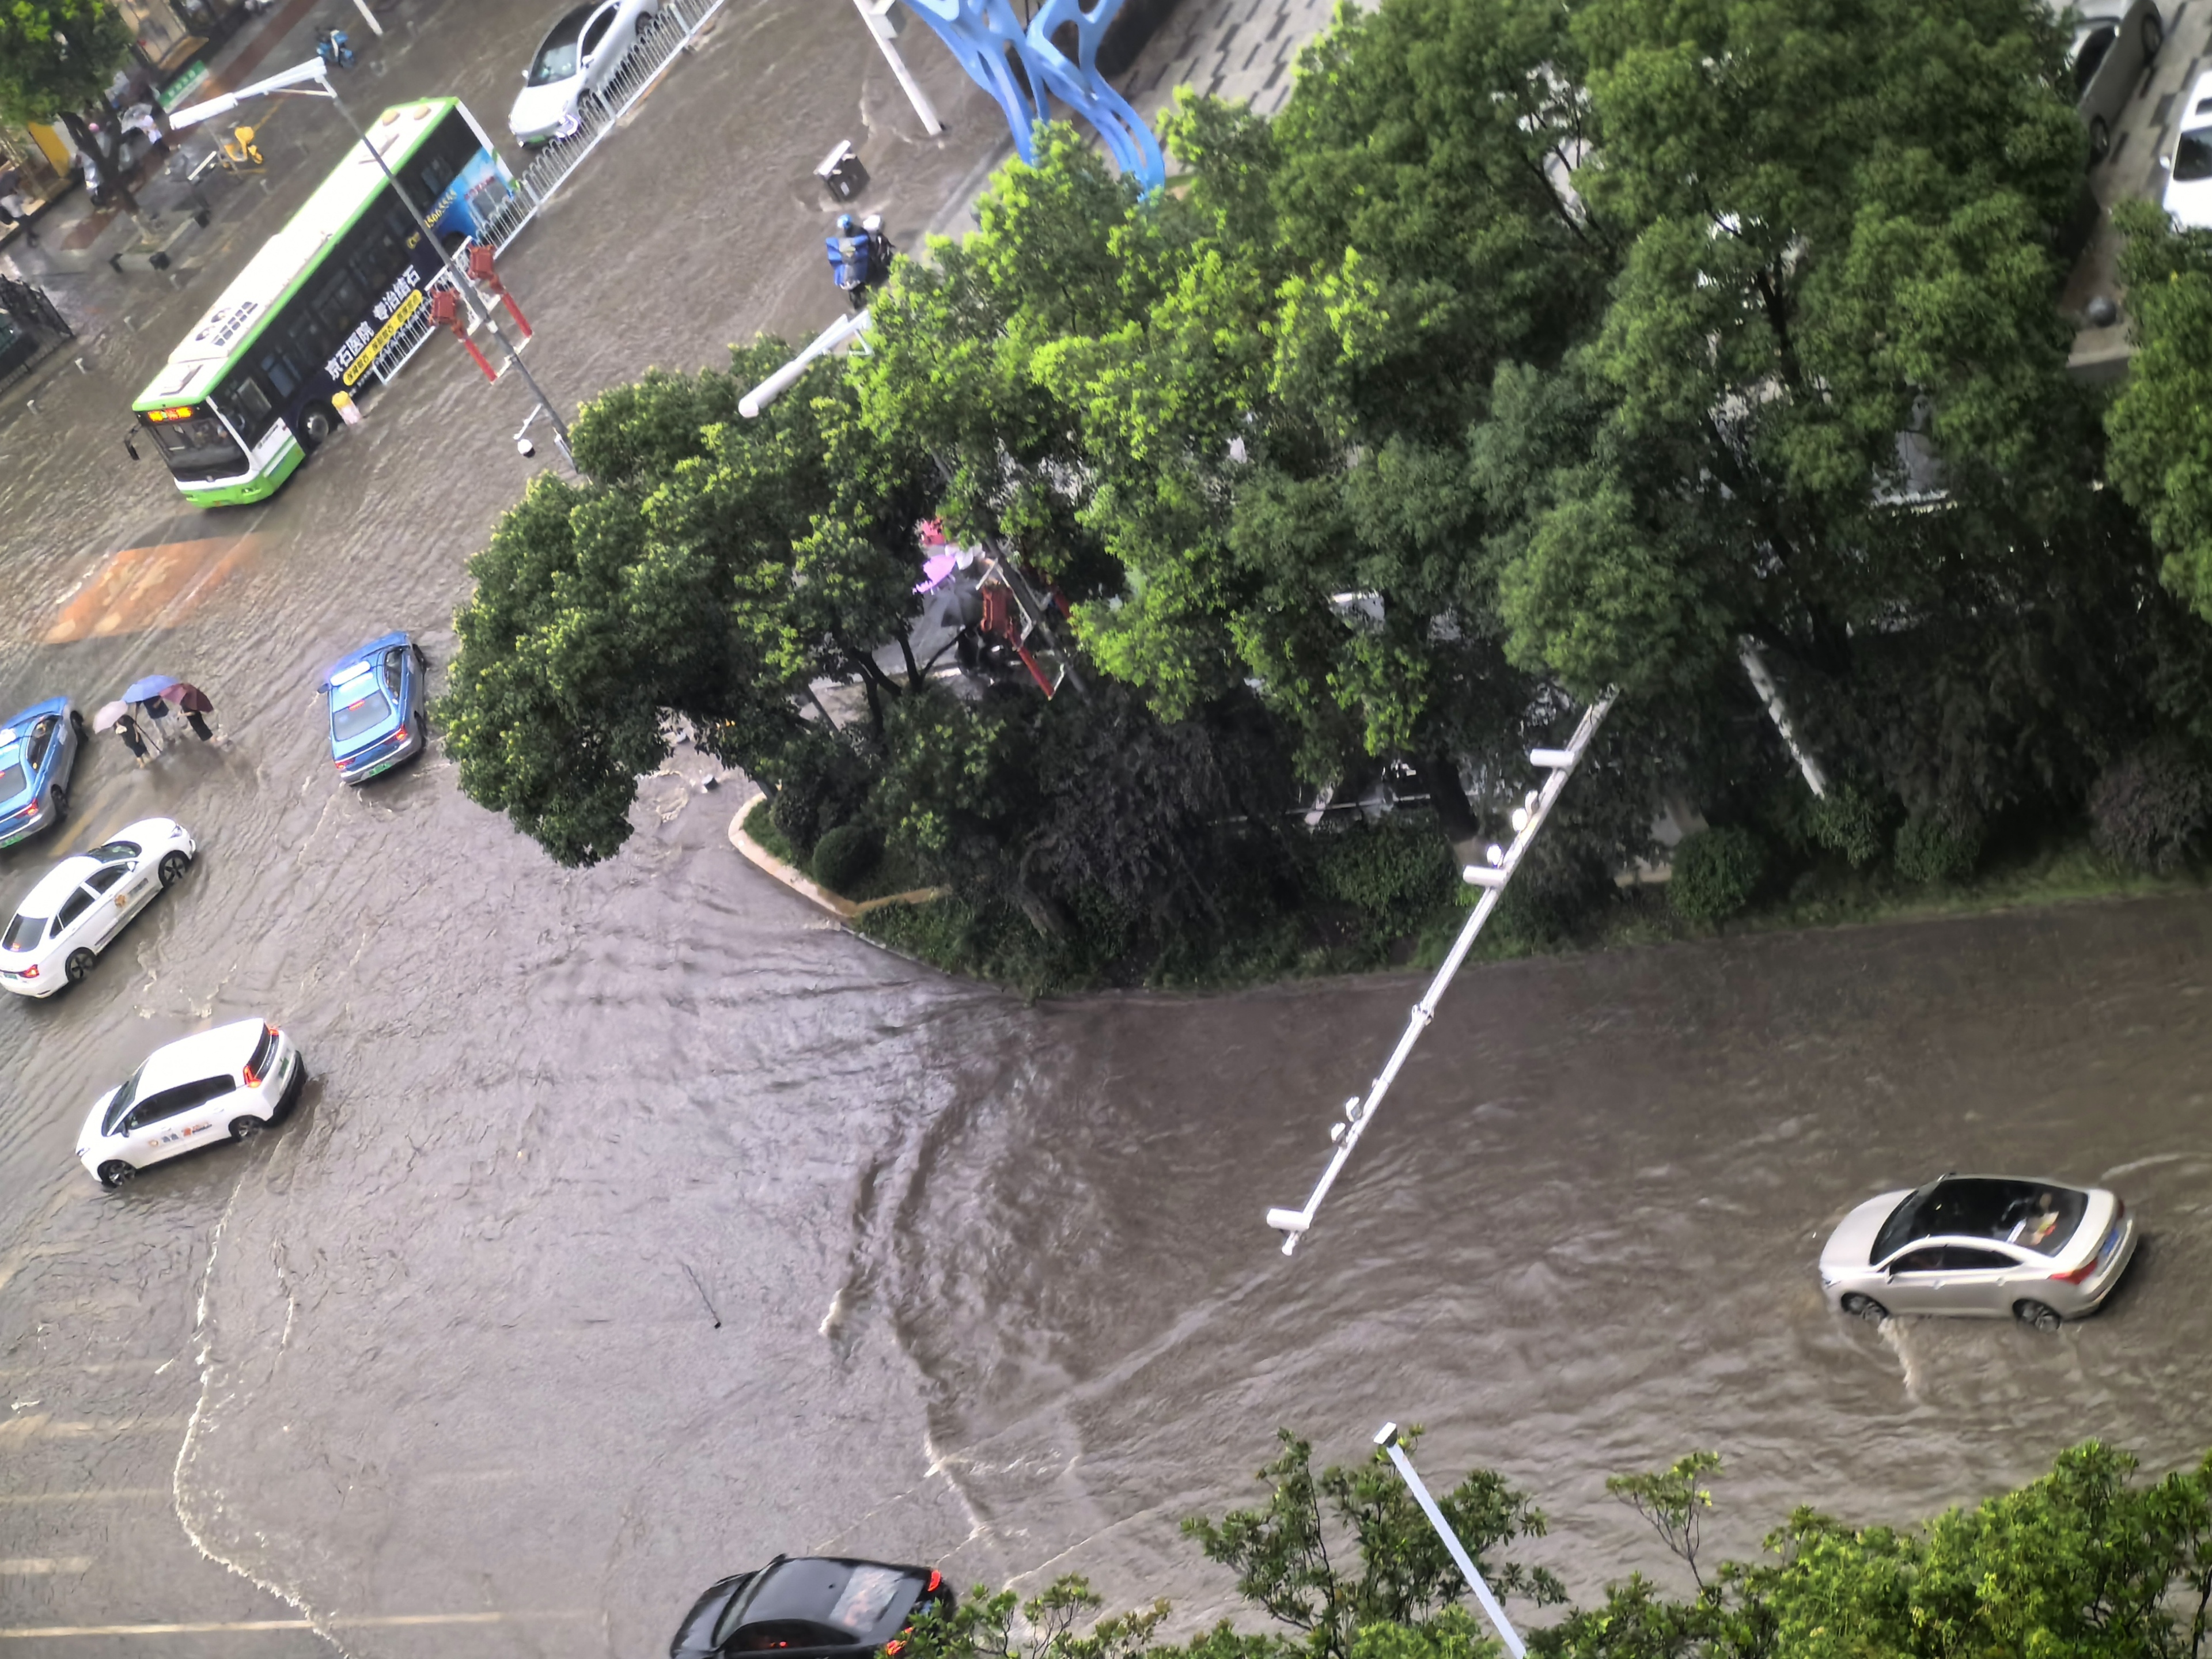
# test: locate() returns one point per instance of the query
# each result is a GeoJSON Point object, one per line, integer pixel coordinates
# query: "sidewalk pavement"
{"type": "Point", "coordinates": [1233, 49]}
{"type": "Point", "coordinates": [76, 235]}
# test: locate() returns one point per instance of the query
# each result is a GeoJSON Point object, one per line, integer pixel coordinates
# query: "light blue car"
{"type": "Point", "coordinates": [38, 756]}
{"type": "Point", "coordinates": [377, 695]}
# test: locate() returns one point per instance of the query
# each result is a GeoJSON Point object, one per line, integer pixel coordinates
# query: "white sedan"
{"type": "Point", "coordinates": [229, 1084]}
{"type": "Point", "coordinates": [81, 903]}
{"type": "Point", "coordinates": [580, 56]}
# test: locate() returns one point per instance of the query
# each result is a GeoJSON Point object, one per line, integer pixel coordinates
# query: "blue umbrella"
{"type": "Point", "coordinates": [152, 686]}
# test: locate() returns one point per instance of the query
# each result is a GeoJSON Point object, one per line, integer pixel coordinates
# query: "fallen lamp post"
{"type": "Point", "coordinates": [1492, 877]}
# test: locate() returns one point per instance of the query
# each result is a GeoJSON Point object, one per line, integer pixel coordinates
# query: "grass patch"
{"type": "Point", "coordinates": [761, 827]}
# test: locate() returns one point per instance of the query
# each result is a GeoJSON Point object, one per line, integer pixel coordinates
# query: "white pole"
{"type": "Point", "coordinates": [1770, 695]}
{"type": "Point", "coordinates": [879, 24]}
{"type": "Point", "coordinates": [1560, 764]}
{"type": "Point", "coordinates": [369, 17]}
{"type": "Point", "coordinates": [1387, 1437]}
{"type": "Point", "coordinates": [781, 381]}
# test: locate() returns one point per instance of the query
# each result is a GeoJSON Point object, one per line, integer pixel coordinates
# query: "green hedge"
{"type": "Point", "coordinates": [1715, 873]}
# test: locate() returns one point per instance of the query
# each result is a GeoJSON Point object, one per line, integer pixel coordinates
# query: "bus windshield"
{"type": "Point", "coordinates": [197, 447]}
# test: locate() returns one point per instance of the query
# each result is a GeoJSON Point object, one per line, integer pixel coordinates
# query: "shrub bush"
{"type": "Point", "coordinates": [1395, 873]}
{"type": "Point", "coordinates": [2150, 809]}
{"type": "Point", "coordinates": [1848, 820]}
{"type": "Point", "coordinates": [844, 854]}
{"type": "Point", "coordinates": [1930, 851]}
{"type": "Point", "coordinates": [1715, 873]}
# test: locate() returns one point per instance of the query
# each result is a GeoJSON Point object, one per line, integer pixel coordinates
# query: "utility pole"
{"type": "Point", "coordinates": [1387, 1437]}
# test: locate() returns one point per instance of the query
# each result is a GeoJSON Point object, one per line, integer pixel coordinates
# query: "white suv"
{"type": "Point", "coordinates": [228, 1083]}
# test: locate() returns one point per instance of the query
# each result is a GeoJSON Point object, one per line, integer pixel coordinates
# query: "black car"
{"type": "Point", "coordinates": [813, 1605]}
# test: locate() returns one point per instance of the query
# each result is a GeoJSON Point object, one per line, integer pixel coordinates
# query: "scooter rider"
{"type": "Point", "coordinates": [849, 249]}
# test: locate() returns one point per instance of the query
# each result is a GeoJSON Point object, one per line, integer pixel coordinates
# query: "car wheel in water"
{"type": "Point", "coordinates": [314, 427]}
{"type": "Point", "coordinates": [115, 1173]}
{"type": "Point", "coordinates": [2036, 1316]}
{"type": "Point", "coordinates": [58, 798]}
{"type": "Point", "coordinates": [1866, 1308]}
{"type": "Point", "coordinates": [173, 865]}
{"type": "Point", "coordinates": [244, 1128]}
{"type": "Point", "coordinates": [76, 723]}
{"type": "Point", "coordinates": [78, 965]}
{"type": "Point", "coordinates": [2154, 37]}
{"type": "Point", "coordinates": [2100, 139]}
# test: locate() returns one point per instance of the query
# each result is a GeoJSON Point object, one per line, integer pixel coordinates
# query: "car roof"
{"type": "Point", "coordinates": [360, 654]}
{"type": "Point", "coordinates": [188, 1058]}
{"type": "Point", "coordinates": [57, 885]}
{"type": "Point", "coordinates": [808, 1587]}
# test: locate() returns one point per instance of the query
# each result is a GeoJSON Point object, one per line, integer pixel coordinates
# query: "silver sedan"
{"type": "Point", "coordinates": [1988, 1246]}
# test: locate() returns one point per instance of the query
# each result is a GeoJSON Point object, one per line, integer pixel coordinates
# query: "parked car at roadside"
{"type": "Point", "coordinates": [577, 57]}
{"type": "Point", "coordinates": [813, 1607]}
{"type": "Point", "coordinates": [2188, 169]}
{"type": "Point", "coordinates": [38, 756]}
{"type": "Point", "coordinates": [2113, 42]}
{"type": "Point", "coordinates": [1980, 1246]}
{"type": "Point", "coordinates": [229, 1084]}
{"type": "Point", "coordinates": [81, 905]}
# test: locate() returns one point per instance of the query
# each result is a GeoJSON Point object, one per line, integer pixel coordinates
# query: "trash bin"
{"type": "Point", "coordinates": [841, 174]}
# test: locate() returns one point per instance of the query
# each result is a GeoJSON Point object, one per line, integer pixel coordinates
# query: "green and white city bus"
{"type": "Point", "coordinates": [242, 401]}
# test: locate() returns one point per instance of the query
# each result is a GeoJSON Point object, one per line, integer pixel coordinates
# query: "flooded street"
{"type": "Point", "coordinates": [635, 1225]}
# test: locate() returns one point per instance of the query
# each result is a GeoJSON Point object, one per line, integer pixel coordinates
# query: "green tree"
{"type": "Point", "coordinates": [707, 571]}
{"type": "Point", "coordinates": [57, 58]}
{"type": "Point", "coordinates": [2162, 422]}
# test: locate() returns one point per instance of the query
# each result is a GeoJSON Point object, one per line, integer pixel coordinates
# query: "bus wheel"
{"type": "Point", "coordinates": [314, 427]}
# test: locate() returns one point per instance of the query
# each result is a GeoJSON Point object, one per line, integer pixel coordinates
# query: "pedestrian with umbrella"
{"type": "Point", "coordinates": [194, 702]}
{"type": "Point", "coordinates": [148, 694]}
{"type": "Point", "coordinates": [118, 714]}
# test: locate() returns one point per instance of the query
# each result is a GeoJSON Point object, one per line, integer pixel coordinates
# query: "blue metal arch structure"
{"type": "Point", "coordinates": [985, 38]}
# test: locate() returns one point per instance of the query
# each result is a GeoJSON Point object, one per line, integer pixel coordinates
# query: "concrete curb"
{"type": "Point", "coordinates": [843, 908]}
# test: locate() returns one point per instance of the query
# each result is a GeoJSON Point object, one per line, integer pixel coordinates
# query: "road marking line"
{"type": "Point", "coordinates": [386, 1622]}
{"type": "Point", "coordinates": [105, 1495]}
{"type": "Point", "coordinates": [45, 1425]}
{"type": "Point", "coordinates": [32, 1566]}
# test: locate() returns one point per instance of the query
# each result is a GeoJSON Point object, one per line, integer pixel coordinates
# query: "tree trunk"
{"type": "Point", "coordinates": [1440, 772]}
{"type": "Point", "coordinates": [111, 167]}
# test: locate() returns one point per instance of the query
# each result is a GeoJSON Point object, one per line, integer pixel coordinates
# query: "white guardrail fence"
{"type": "Point", "coordinates": [660, 38]}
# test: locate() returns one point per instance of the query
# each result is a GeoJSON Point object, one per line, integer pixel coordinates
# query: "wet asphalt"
{"type": "Point", "coordinates": [636, 1224]}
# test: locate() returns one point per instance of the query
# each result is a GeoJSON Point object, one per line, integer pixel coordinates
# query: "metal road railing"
{"type": "Point", "coordinates": [660, 38]}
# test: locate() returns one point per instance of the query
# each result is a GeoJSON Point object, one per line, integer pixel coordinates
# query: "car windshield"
{"type": "Point", "coordinates": [867, 1598]}
{"type": "Point", "coordinates": [2035, 1215]}
{"type": "Point", "coordinates": [2192, 156]}
{"type": "Point", "coordinates": [116, 852]}
{"type": "Point", "coordinates": [12, 781]}
{"type": "Point", "coordinates": [556, 58]}
{"type": "Point", "coordinates": [363, 714]}
{"type": "Point", "coordinates": [124, 1098]}
{"type": "Point", "coordinates": [23, 932]}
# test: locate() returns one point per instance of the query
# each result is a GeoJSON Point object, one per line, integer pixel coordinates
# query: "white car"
{"type": "Point", "coordinates": [229, 1084]}
{"type": "Point", "coordinates": [580, 56]}
{"type": "Point", "coordinates": [2188, 169]}
{"type": "Point", "coordinates": [81, 903]}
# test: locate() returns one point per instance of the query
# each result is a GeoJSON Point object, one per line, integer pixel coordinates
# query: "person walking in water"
{"type": "Point", "coordinates": [133, 738]}
{"type": "Point", "coordinates": [194, 702]}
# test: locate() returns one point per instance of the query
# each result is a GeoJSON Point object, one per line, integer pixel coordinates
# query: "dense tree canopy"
{"type": "Point", "coordinates": [1531, 349]}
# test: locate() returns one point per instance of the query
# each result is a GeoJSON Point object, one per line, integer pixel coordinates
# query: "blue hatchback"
{"type": "Point", "coordinates": [38, 755]}
{"type": "Point", "coordinates": [377, 699]}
